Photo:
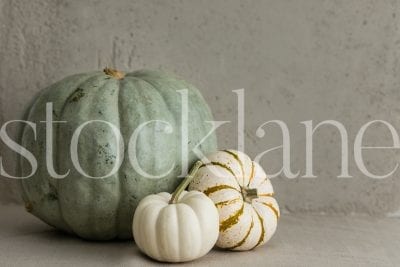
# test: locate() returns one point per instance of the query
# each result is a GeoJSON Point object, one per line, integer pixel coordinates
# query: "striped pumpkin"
{"type": "Point", "coordinates": [243, 195]}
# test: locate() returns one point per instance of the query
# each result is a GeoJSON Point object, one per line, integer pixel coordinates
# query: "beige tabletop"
{"type": "Point", "coordinates": [301, 240]}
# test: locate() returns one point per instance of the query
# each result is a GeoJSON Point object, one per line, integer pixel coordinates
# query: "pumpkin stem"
{"type": "Point", "coordinates": [249, 194]}
{"type": "Point", "coordinates": [185, 183]}
{"type": "Point", "coordinates": [114, 73]}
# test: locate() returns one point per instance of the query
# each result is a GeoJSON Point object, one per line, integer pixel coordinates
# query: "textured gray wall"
{"type": "Point", "coordinates": [297, 60]}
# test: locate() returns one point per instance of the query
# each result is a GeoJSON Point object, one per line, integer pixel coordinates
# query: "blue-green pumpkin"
{"type": "Point", "coordinates": [102, 209]}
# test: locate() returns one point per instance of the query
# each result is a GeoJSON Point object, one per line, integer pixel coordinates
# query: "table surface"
{"type": "Point", "coordinates": [301, 240]}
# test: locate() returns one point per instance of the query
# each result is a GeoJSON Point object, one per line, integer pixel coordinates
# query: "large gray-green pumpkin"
{"type": "Point", "coordinates": [102, 209]}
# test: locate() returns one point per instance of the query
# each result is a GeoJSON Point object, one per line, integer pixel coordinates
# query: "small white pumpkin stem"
{"type": "Point", "coordinates": [185, 183]}
{"type": "Point", "coordinates": [114, 73]}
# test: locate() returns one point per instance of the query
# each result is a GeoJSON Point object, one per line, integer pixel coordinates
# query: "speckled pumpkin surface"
{"type": "Point", "coordinates": [102, 209]}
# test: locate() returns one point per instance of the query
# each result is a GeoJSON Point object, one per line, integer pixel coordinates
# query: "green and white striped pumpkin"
{"type": "Point", "coordinates": [243, 196]}
{"type": "Point", "coordinates": [102, 209]}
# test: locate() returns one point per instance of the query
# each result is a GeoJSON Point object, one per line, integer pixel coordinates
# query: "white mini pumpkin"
{"type": "Point", "coordinates": [243, 196]}
{"type": "Point", "coordinates": [176, 228]}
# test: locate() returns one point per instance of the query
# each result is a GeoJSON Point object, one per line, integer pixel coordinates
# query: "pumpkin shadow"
{"type": "Point", "coordinates": [61, 246]}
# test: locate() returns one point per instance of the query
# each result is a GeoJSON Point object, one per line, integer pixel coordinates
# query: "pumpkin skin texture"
{"type": "Point", "coordinates": [177, 232]}
{"type": "Point", "coordinates": [243, 195]}
{"type": "Point", "coordinates": [102, 209]}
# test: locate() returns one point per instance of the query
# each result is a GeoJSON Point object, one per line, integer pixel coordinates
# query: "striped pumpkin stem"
{"type": "Point", "coordinates": [249, 194]}
{"type": "Point", "coordinates": [185, 183]}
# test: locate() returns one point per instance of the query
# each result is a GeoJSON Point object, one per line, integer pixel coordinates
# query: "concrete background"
{"type": "Point", "coordinates": [297, 60]}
